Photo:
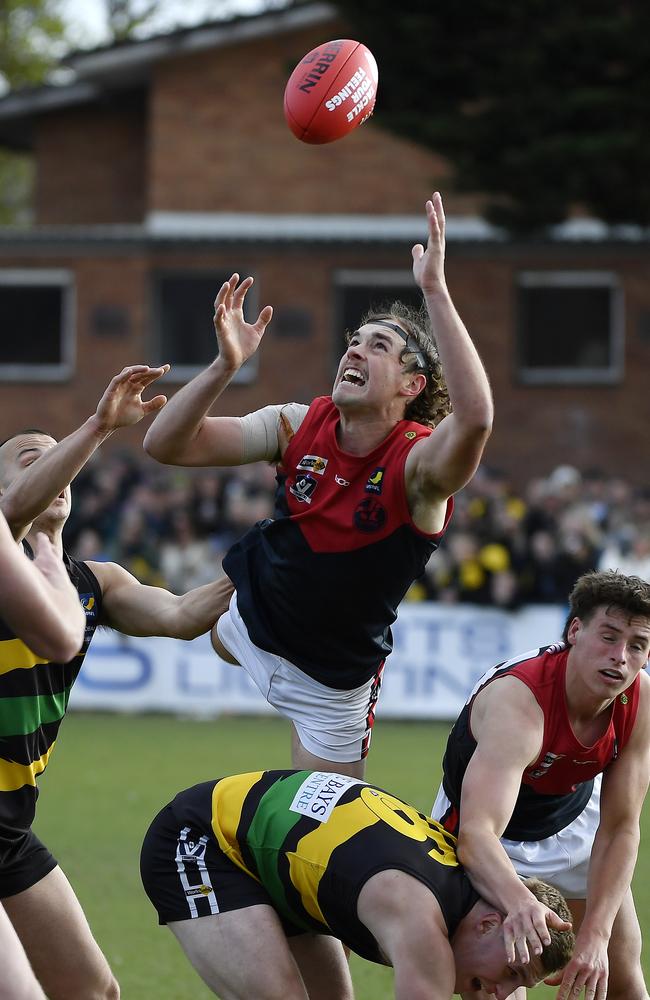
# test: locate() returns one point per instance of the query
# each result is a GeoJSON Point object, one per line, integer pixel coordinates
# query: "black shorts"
{"type": "Point", "coordinates": [184, 871]}
{"type": "Point", "coordinates": [23, 863]}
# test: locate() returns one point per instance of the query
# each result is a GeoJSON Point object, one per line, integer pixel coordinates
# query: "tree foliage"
{"type": "Point", "coordinates": [541, 104]}
{"type": "Point", "coordinates": [125, 17]}
{"type": "Point", "coordinates": [32, 35]}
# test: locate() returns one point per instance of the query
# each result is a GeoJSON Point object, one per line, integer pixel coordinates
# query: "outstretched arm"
{"type": "Point", "coordinates": [183, 434]}
{"type": "Point", "coordinates": [121, 405]}
{"type": "Point", "coordinates": [135, 609]}
{"type": "Point", "coordinates": [37, 600]}
{"type": "Point", "coordinates": [448, 459]}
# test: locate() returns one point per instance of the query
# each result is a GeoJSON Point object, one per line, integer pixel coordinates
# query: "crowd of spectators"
{"type": "Point", "coordinates": [505, 547]}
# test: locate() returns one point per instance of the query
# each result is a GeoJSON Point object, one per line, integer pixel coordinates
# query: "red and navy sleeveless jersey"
{"type": "Point", "coordinates": [320, 583]}
{"type": "Point", "coordinates": [556, 787]}
{"type": "Point", "coordinates": [34, 697]}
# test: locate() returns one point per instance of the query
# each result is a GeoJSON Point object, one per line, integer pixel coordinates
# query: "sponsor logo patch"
{"type": "Point", "coordinates": [341, 481]}
{"type": "Point", "coordinates": [545, 764]}
{"type": "Point", "coordinates": [303, 488]}
{"type": "Point", "coordinates": [375, 481]}
{"type": "Point", "coordinates": [313, 463]}
{"type": "Point", "coordinates": [198, 890]}
{"type": "Point", "coordinates": [88, 604]}
{"type": "Point", "coordinates": [409, 435]}
{"type": "Point", "coordinates": [319, 793]}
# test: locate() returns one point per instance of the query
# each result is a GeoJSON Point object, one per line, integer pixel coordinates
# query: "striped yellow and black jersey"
{"type": "Point", "coordinates": [313, 839]}
{"type": "Point", "coordinates": [34, 696]}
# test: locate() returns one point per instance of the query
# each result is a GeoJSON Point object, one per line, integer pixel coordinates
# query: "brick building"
{"type": "Point", "coordinates": [165, 164]}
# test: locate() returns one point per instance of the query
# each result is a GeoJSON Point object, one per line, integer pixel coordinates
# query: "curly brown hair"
{"type": "Point", "coordinates": [607, 589]}
{"type": "Point", "coordinates": [432, 404]}
{"type": "Point", "coordinates": [556, 954]}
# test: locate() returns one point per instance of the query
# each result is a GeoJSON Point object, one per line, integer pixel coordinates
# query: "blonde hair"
{"type": "Point", "coordinates": [556, 954]}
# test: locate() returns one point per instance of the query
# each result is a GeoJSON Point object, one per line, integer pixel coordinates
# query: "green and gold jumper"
{"type": "Point", "coordinates": [313, 839]}
{"type": "Point", "coordinates": [34, 696]}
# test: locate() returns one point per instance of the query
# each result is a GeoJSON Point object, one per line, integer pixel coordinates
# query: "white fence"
{"type": "Point", "coordinates": [439, 653]}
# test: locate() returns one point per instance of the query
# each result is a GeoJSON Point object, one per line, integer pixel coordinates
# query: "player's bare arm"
{"type": "Point", "coordinates": [185, 434]}
{"type": "Point", "coordinates": [40, 482]}
{"type": "Point", "coordinates": [490, 788]}
{"type": "Point", "coordinates": [405, 919]}
{"type": "Point", "coordinates": [613, 857]}
{"type": "Point", "coordinates": [135, 609]}
{"type": "Point", "coordinates": [447, 460]}
{"type": "Point", "coordinates": [38, 601]}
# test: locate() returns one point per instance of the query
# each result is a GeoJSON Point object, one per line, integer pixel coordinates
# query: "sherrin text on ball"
{"type": "Point", "coordinates": [331, 91]}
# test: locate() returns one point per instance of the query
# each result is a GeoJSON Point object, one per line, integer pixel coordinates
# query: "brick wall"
{"type": "Point", "coordinates": [234, 152]}
{"type": "Point", "coordinates": [91, 164]}
{"type": "Point", "coordinates": [535, 428]}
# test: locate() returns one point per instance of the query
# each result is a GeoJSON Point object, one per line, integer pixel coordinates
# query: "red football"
{"type": "Point", "coordinates": [331, 91]}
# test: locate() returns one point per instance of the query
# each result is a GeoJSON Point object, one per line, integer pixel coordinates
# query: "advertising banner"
{"type": "Point", "coordinates": [439, 653]}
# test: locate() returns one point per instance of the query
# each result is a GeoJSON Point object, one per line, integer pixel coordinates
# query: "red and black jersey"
{"type": "Point", "coordinates": [320, 584]}
{"type": "Point", "coordinates": [556, 787]}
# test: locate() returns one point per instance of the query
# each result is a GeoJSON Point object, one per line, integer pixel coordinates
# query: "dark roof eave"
{"type": "Point", "coordinates": [133, 59]}
{"type": "Point", "coordinates": [283, 231]}
{"type": "Point", "coordinates": [40, 100]}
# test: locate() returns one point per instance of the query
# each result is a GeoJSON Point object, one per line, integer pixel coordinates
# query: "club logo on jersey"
{"type": "Point", "coordinates": [319, 793]}
{"type": "Point", "coordinates": [369, 515]}
{"type": "Point", "coordinates": [313, 463]}
{"type": "Point", "coordinates": [303, 488]}
{"type": "Point", "coordinates": [88, 604]}
{"type": "Point", "coordinates": [341, 481]}
{"type": "Point", "coordinates": [409, 435]}
{"type": "Point", "coordinates": [375, 481]}
{"type": "Point", "coordinates": [545, 764]}
{"type": "Point", "coordinates": [624, 699]}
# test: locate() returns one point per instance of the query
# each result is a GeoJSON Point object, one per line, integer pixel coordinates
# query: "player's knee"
{"type": "Point", "coordinates": [106, 989]}
{"type": "Point", "coordinates": [629, 985]}
{"type": "Point", "coordinates": [626, 980]}
{"type": "Point", "coordinates": [113, 991]}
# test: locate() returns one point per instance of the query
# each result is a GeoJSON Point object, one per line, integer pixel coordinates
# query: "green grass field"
{"type": "Point", "coordinates": [110, 774]}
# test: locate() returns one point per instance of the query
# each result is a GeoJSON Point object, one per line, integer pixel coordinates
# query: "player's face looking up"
{"type": "Point", "coordinates": [373, 371]}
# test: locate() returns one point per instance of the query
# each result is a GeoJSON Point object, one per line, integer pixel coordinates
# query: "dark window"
{"type": "Point", "coordinates": [358, 292]}
{"type": "Point", "coordinates": [36, 316]}
{"type": "Point", "coordinates": [184, 307]}
{"type": "Point", "coordinates": [569, 328]}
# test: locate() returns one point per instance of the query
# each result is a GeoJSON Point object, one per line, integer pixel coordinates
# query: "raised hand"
{"type": "Point", "coordinates": [429, 263]}
{"type": "Point", "coordinates": [122, 403]}
{"type": "Point", "coordinates": [237, 339]}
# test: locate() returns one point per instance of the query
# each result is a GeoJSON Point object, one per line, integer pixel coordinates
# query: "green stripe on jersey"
{"type": "Point", "coordinates": [20, 716]}
{"type": "Point", "coordinates": [268, 830]}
